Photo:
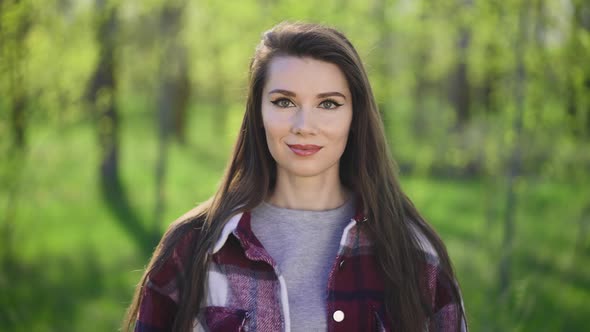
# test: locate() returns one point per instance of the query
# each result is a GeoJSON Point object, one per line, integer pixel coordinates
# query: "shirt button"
{"type": "Point", "coordinates": [341, 265]}
{"type": "Point", "coordinates": [338, 316]}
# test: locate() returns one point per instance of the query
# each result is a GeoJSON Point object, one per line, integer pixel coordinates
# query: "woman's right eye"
{"type": "Point", "coordinates": [283, 103]}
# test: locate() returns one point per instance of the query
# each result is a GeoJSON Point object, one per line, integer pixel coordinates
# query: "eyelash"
{"type": "Point", "coordinates": [280, 100]}
{"type": "Point", "coordinates": [336, 105]}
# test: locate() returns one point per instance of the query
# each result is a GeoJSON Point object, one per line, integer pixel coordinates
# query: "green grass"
{"type": "Point", "coordinates": [73, 267]}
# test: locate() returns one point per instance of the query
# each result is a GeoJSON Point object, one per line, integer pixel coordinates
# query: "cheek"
{"type": "Point", "coordinates": [274, 128]}
{"type": "Point", "coordinates": [340, 129]}
{"type": "Point", "coordinates": [345, 129]}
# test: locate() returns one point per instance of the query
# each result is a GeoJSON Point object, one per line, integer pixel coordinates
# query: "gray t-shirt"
{"type": "Point", "coordinates": [304, 245]}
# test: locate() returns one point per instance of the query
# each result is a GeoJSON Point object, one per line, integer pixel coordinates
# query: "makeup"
{"type": "Point", "coordinates": [304, 150]}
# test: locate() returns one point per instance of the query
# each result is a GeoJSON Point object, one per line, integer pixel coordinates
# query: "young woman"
{"type": "Point", "coordinates": [309, 229]}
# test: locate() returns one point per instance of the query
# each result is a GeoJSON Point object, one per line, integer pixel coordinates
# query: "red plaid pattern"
{"type": "Point", "coordinates": [245, 291]}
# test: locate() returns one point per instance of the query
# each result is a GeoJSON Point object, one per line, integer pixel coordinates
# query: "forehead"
{"type": "Point", "coordinates": [304, 75]}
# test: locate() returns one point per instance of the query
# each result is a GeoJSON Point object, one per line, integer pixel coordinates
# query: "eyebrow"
{"type": "Point", "coordinates": [320, 95]}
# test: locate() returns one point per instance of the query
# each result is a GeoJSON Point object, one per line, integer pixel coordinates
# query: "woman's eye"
{"type": "Point", "coordinates": [283, 103]}
{"type": "Point", "coordinates": [329, 104]}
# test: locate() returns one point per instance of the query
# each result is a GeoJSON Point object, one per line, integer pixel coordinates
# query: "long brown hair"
{"type": "Point", "coordinates": [366, 167]}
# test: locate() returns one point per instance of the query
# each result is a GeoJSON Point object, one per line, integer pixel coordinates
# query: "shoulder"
{"type": "Point", "coordinates": [424, 244]}
{"type": "Point", "coordinates": [162, 286]}
{"type": "Point", "coordinates": [172, 255]}
{"type": "Point", "coordinates": [441, 288]}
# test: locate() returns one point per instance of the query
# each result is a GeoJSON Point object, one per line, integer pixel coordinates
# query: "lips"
{"type": "Point", "coordinates": [304, 150]}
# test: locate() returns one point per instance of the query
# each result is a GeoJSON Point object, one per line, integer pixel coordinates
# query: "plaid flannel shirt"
{"type": "Point", "coordinates": [246, 291]}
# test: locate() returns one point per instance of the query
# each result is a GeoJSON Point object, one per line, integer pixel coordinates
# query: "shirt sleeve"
{"type": "Point", "coordinates": [447, 316]}
{"type": "Point", "coordinates": [159, 297]}
{"type": "Point", "coordinates": [156, 311]}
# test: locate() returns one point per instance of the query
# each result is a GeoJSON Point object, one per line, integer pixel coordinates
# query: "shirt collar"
{"type": "Point", "coordinates": [229, 227]}
{"type": "Point", "coordinates": [239, 226]}
{"type": "Point", "coordinates": [244, 233]}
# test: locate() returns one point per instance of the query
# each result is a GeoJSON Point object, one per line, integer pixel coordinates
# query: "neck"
{"type": "Point", "coordinates": [308, 193]}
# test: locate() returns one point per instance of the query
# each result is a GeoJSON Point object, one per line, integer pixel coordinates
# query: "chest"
{"type": "Point", "coordinates": [246, 291]}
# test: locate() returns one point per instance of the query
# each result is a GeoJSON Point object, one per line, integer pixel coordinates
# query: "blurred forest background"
{"type": "Point", "coordinates": [118, 116]}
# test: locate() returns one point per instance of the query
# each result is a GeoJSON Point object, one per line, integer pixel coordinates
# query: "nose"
{"type": "Point", "coordinates": [303, 123]}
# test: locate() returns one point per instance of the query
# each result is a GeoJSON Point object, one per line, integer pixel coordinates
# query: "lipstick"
{"type": "Point", "coordinates": [304, 150]}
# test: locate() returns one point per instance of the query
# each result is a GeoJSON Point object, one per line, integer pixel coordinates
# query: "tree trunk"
{"type": "Point", "coordinates": [514, 166]}
{"type": "Point", "coordinates": [582, 18]}
{"type": "Point", "coordinates": [173, 96]}
{"type": "Point", "coordinates": [459, 93]}
{"type": "Point", "coordinates": [101, 95]}
{"type": "Point", "coordinates": [384, 59]}
{"type": "Point", "coordinates": [12, 40]}
{"type": "Point", "coordinates": [582, 22]}
{"type": "Point", "coordinates": [220, 111]}
{"type": "Point", "coordinates": [13, 52]}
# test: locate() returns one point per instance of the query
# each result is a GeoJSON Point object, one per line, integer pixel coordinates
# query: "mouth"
{"type": "Point", "coordinates": [304, 150]}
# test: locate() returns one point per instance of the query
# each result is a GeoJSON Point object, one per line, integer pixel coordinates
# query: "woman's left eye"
{"type": "Point", "coordinates": [329, 104]}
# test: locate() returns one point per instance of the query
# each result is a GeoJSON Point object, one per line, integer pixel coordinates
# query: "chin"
{"type": "Point", "coordinates": [308, 171]}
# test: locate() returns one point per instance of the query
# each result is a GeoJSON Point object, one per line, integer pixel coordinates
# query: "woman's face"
{"type": "Point", "coordinates": [306, 112]}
